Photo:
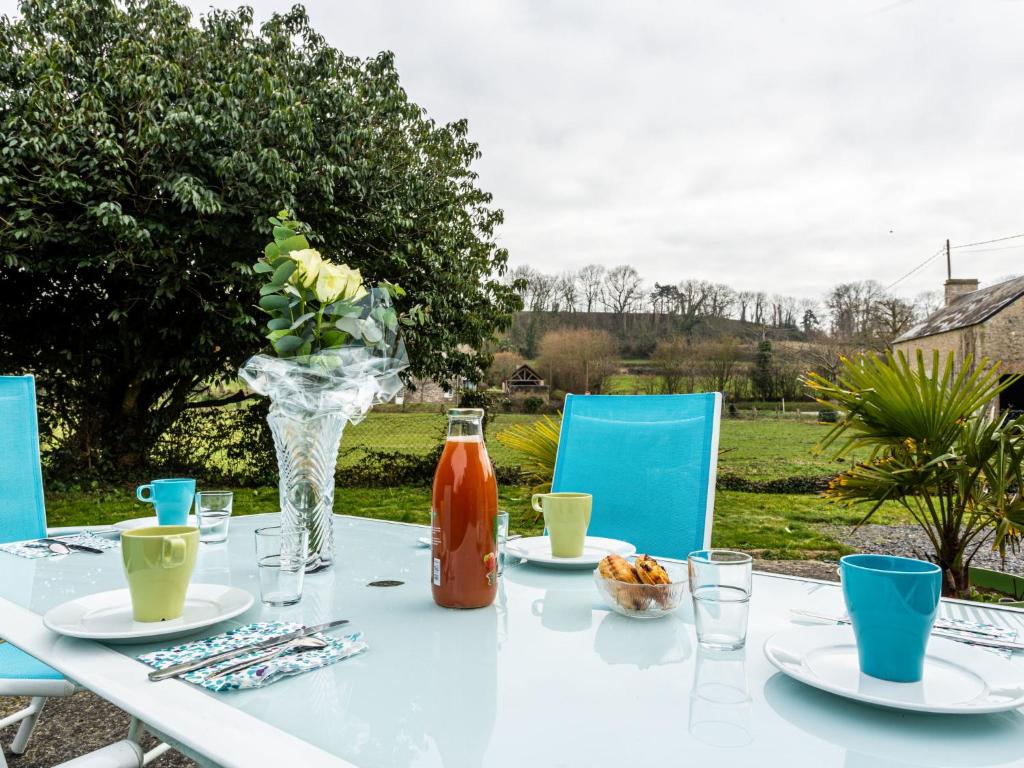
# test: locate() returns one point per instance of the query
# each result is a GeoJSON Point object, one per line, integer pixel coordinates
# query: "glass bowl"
{"type": "Point", "coordinates": [643, 601]}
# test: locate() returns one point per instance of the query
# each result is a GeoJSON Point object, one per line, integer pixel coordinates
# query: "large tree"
{"type": "Point", "coordinates": [141, 155]}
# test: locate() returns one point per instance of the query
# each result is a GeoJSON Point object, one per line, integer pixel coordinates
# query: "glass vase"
{"type": "Point", "coordinates": [307, 452]}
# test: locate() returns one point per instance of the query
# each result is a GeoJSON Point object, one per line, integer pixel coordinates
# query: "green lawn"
{"type": "Point", "coordinates": [768, 448]}
{"type": "Point", "coordinates": [761, 450]}
{"type": "Point", "coordinates": [419, 433]}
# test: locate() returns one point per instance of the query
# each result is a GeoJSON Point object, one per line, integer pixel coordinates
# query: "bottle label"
{"type": "Point", "coordinates": [437, 571]}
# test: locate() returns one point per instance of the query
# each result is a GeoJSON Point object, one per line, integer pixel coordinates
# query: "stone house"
{"type": "Point", "coordinates": [525, 381]}
{"type": "Point", "coordinates": [430, 391]}
{"type": "Point", "coordinates": [976, 323]}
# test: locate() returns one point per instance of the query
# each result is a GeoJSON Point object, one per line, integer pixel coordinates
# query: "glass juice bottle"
{"type": "Point", "coordinates": [464, 508]}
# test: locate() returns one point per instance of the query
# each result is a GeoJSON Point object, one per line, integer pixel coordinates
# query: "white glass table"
{"type": "Point", "coordinates": [545, 677]}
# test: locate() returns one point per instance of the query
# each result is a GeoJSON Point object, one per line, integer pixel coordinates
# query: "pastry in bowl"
{"type": "Point", "coordinates": [642, 589]}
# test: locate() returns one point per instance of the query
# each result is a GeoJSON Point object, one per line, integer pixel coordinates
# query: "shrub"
{"type": "Point", "coordinates": [577, 360]}
{"type": "Point", "coordinates": [475, 398]}
{"type": "Point", "coordinates": [532, 405]}
{"type": "Point", "coordinates": [828, 416]}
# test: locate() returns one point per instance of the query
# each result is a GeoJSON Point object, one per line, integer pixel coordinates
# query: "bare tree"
{"type": "Point", "coordinates": [721, 299]}
{"type": "Point", "coordinates": [527, 275]}
{"type": "Point", "coordinates": [567, 289]}
{"type": "Point", "coordinates": [544, 290]}
{"type": "Point", "coordinates": [675, 364]}
{"type": "Point", "coordinates": [928, 303]}
{"type": "Point", "coordinates": [760, 307]}
{"type": "Point", "coordinates": [892, 316]}
{"type": "Point", "coordinates": [744, 300]}
{"type": "Point", "coordinates": [721, 360]}
{"type": "Point", "coordinates": [693, 299]}
{"type": "Point", "coordinates": [622, 289]}
{"type": "Point", "coordinates": [577, 360]}
{"type": "Point", "coordinates": [591, 281]}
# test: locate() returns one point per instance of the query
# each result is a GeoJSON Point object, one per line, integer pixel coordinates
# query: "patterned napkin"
{"type": "Point", "coordinates": [259, 675]}
{"type": "Point", "coordinates": [968, 630]}
{"type": "Point", "coordinates": [89, 539]}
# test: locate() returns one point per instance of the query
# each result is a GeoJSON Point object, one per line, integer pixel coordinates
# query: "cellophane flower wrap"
{"type": "Point", "coordinates": [338, 353]}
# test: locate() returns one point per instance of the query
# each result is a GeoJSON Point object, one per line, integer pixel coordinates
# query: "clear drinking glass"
{"type": "Point", "coordinates": [720, 582]}
{"type": "Point", "coordinates": [281, 554]}
{"type": "Point", "coordinates": [213, 513]}
{"type": "Point", "coordinates": [501, 521]}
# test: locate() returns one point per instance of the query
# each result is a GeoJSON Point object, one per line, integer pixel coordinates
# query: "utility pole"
{"type": "Point", "coordinates": [949, 262]}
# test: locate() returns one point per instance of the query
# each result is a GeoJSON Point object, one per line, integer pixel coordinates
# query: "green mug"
{"type": "Point", "coordinates": [158, 563]}
{"type": "Point", "coordinates": [566, 516]}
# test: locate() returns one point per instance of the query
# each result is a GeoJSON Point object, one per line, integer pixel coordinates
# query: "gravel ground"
{"type": "Point", "coordinates": [78, 724]}
{"type": "Point", "coordinates": [911, 541]}
{"type": "Point", "coordinates": [71, 726]}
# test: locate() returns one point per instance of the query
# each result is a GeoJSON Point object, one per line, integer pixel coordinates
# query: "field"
{"type": "Point", "coordinates": [764, 449]}
{"type": "Point", "coordinates": [775, 526]}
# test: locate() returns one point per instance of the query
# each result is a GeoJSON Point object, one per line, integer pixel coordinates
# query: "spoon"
{"type": "Point", "coordinates": [60, 548]}
{"type": "Point", "coordinates": [299, 644]}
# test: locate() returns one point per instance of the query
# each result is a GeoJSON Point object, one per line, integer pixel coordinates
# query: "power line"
{"type": "Point", "coordinates": [997, 248]}
{"type": "Point", "coordinates": [986, 242]}
{"type": "Point", "coordinates": [922, 265]}
{"type": "Point", "coordinates": [939, 252]}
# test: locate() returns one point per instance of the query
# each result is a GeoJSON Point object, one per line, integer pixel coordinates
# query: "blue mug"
{"type": "Point", "coordinates": [172, 499]}
{"type": "Point", "coordinates": [892, 602]}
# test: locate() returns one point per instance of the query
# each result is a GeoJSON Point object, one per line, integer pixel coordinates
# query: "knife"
{"type": "Point", "coordinates": [951, 634]}
{"type": "Point", "coordinates": [189, 666]}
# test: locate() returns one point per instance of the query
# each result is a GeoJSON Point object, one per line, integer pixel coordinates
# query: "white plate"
{"type": "Point", "coordinates": [537, 549]}
{"type": "Point", "coordinates": [958, 679]}
{"type": "Point", "coordinates": [146, 522]}
{"type": "Point", "coordinates": [107, 616]}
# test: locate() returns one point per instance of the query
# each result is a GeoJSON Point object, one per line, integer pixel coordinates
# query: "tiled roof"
{"type": "Point", "coordinates": [970, 309]}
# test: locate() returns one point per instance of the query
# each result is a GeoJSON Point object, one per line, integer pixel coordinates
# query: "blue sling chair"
{"type": "Point", "coordinates": [650, 463]}
{"type": "Point", "coordinates": [23, 516]}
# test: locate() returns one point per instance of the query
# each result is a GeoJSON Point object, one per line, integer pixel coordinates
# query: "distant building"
{"type": "Point", "coordinates": [431, 391]}
{"type": "Point", "coordinates": [976, 323]}
{"type": "Point", "coordinates": [524, 381]}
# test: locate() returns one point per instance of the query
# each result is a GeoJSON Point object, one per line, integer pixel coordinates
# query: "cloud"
{"type": "Point", "coordinates": [785, 146]}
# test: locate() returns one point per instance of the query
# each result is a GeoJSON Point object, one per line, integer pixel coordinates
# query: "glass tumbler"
{"type": "Point", "coordinates": [213, 514]}
{"type": "Point", "coordinates": [281, 554]}
{"type": "Point", "coordinates": [501, 524]}
{"type": "Point", "coordinates": [720, 583]}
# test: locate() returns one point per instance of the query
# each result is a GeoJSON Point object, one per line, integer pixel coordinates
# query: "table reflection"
{"type": "Point", "coordinates": [720, 702]}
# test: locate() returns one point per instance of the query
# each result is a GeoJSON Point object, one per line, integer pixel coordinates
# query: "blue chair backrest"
{"type": "Point", "coordinates": [22, 514]}
{"type": "Point", "coordinates": [650, 463]}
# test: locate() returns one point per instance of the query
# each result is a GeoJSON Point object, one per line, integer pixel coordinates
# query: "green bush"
{"type": "Point", "coordinates": [532, 405]}
{"type": "Point", "coordinates": [385, 469]}
{"type": "Point", "coordinates": [475, 398]}
{"type": "Point", "coordinates": [828, 416]}
{"type": "Point", "coordinates": [795, 484]}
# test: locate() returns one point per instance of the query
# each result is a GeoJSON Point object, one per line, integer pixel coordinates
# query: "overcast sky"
{"type": "Point", "coordinates": [783, 146]}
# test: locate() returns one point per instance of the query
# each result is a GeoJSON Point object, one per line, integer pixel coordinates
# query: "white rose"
{"type": "Point", "coordinates": [308, 264]}
{"type": "Point", "coordinates": [337, 282]}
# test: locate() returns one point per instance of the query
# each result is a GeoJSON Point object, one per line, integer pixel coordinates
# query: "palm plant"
{"type": "Point", "coordinates": [935, 447]}
{"type": "Point", "coordinates": [537, 443]}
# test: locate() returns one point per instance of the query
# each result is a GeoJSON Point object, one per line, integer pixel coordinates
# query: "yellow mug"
{"type": "Point", "coordinates": [158, 563]}
{"type": "Point", "coordinates": [566, 516]}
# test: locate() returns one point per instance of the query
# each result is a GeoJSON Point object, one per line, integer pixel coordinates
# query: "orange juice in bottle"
{"type": "Point", "coordinates": [464, 509]}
